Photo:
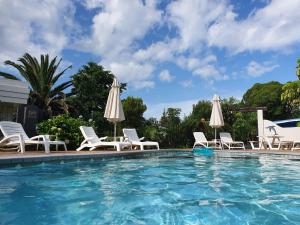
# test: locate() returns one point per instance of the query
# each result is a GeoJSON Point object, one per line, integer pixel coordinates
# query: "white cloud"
{"type": "Point", "coordinates": [116, 29]}
{"type": "Point", "coordinates": [192, 19]}
{"type": "Point", "coordinates": [273, 27]}
{"type": "Point", "coordinates": [91, 4]}
{"type": "Point", "coordinates": [186, 83]}
{"type": "Point", "coordinates": [157, 52]}
{"type": "Point", "coordinates": [143, 84]}
{"type": "Point", "coordinates": [192, 62]}
{"type": "Point", "coordinates": [34, 26]}
{"type": "Point", "coordinates": [210, 72]}
{"type": "Point", "coordinates": [165, 76]}
{"type": "Point", "coordinates": [135, 73]}
{"type": "Point", "coordinates": [199, 24]}
{"type": "Point", "coordinates": [118, 25]}
{"type": "Point", "coordinates": [156, 110]}
{"type": "Point", "coordinates": [254, 69]}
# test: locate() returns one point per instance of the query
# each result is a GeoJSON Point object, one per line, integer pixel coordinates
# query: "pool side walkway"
{"type": "Point", "coordinates": [7, 158]}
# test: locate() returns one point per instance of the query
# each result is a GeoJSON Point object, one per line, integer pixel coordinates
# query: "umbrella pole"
{"type": "Point", "coordinates": [115, 131]}
{"type": "Point", "coordinates": [215, 137]}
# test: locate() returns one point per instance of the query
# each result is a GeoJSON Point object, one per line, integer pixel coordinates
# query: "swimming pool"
{"type": "Point", "coordinates": [158, 190]}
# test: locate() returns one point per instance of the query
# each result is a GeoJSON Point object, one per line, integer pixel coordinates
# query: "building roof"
{"type": "Point", "coordinates": [287, 121]}
{"type": "Point", "coordinates": [13, 91]}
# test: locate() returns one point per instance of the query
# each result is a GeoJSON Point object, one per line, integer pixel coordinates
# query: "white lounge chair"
{"type": "Point", "coordinates": [227, 141]}
{"type": "Point", "coordinates": [296, 145]}
{"type": "Point", "coordinates": [201, 140]}
{"type": "Point", "coordinates": [92, 141]}
{"type": "Point", "coordinates": [132, 137]}
{"type": "Point", "coordinates": [15, 136]}
{"type": "Point", "coordinates": [260, 144]}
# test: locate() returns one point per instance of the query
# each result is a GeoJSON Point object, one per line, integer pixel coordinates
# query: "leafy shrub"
{"type": "Point", "coordinates": [245, 126]}
{"type": "Point", "coordinates": [65, 128]}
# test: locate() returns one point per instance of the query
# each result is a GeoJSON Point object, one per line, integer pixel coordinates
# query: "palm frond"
{"type": "Point", "coordinates": [60, 88]}
{"type": "Point", "coordinates": [57, 76]}
{"type": "Point", "coordinates": [8, 76]}
{"type": "Point", "coordinates": [20, 68]}
{"type": "Point", "coordinates": [41, 75]}
{"type": "Point", "coordinates": [52, 68]}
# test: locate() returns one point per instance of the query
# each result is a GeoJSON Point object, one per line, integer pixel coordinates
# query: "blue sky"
{"type": "Point", "coordinates": [171, 53]}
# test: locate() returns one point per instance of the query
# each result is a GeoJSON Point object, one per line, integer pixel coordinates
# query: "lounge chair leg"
{"type": "Point", "coordinates": [22, 144]}
{"type": "Point", "coordinates": [118, 148]}
{"type": "Point", "coordinates": [47, 147]}
{"type": "Point", "coordinates": [65, 147]}
{"type": "Point", "coordinates": [142, 147]}
{"type": "Point", "coordinates": [80, 148]}
{"type": "Point", "coordinates": [22, 147]}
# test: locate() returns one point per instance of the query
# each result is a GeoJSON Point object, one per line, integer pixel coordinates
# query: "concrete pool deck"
{"type": "Point", "coordinates": [7, 158]}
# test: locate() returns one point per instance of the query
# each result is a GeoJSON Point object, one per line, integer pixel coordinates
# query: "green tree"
{"type": "Point", "coordinates": [244, 127]}
{"type": "Point", "coordinates": [202, 110]}
{"type": "Point", "coordinates": [134, 109]}
{"type": "Point", "coordinates": [230, 107]}
{"type": "Point", "coordinates": [197, 121]}
{"type": "Point", "coordinates": [42, 77]}
{"type": "Point", "coordinates": [298, 69]}
{"type": "Point", "coordinates": [88, 97]}
{"type": "Point", "coordinates": [269, 95]}
{"type": "Point", "coordinates": [171, 123]}
{"type": "Point", "coordinates": [291, 91]}
{"type": "Point", "coordinates": [154, 131]}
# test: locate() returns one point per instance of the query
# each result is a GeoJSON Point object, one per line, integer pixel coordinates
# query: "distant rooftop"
{"type": "Point", "coordinates": [288, 123]}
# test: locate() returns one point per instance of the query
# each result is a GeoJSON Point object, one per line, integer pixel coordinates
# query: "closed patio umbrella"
{"type": "Point", "coordinates": [114, 110]}
{"type": "Point", "coordinates": [216, 118]}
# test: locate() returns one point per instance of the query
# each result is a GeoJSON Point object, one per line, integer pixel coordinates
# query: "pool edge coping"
{"type": "Point", "coordinates": [24, 159]}
{"type": "Point", "coordinates": [42, 157]}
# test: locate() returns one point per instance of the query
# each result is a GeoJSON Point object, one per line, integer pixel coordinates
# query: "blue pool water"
{"type": "Point", "coordinates": [158, 190]}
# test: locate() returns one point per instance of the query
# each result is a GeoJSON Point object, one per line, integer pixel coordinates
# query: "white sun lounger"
{"type": "Point", "coordinates": [15, 136]}
{"type": "Point", "coordinates": [227, 141]}
{"type": "Point", "coordinates": [296, 145]}
{"type": "Point", "coordinates": [201, 140]}
{"type": "Point", "coordinates": [92, 141]}
{"type": "Point", "coordinates": [132, 137]}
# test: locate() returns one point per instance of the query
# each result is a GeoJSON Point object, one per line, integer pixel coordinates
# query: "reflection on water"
{"type": "Point", "coordinates": [182, 189]}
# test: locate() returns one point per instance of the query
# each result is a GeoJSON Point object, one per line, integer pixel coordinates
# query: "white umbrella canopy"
{"type": "Point", "coordinates": [114, 110]}
{"type": "Point", "coordinates": [216, 118]}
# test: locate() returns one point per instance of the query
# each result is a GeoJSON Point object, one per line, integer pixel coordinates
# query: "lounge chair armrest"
{"type": "Point", "coordinates": [142, 138]}
{"type": "Point", "coordinates": [103, 138]}
{"type": "Point", "coordinates": [38, 137]}
{"type": "Point", "coordinates": [7, 138]}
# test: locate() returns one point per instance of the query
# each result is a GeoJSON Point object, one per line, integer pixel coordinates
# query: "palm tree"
{"type": "Point", "coordinates": [42, 77]}
{"type": "Point", "coordinates": [298, 69]}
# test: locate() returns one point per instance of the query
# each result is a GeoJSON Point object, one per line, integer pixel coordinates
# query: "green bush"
{"type": "Point", "coordinates": [65, 128]}
{"type": "Point", "coordinates": [245, 126]}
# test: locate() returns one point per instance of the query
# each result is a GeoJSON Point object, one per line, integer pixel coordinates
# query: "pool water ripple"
{"type": "Point", "coordinates": [159, 190]}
